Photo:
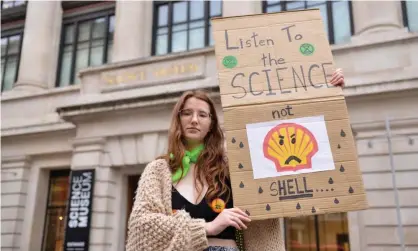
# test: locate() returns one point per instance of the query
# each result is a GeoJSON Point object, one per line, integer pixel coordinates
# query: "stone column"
{"type": "Point", "coordinates": [89, 154]}
{"type": "Point", "coordinates": [369, 18]}
{"type": "Point", "coordinates": [14, 183]}
{"type": "Point", "coordinates": [133, 30]}
{"type": "Point", "coordinates": [40, 47]}
{"type": "Point", "coordinates": [238, 8]}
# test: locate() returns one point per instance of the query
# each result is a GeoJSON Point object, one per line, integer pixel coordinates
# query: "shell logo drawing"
{"type": "Point", "coordinates": [290, 146]}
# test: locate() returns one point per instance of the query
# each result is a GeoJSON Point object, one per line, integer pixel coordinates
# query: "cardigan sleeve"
{"type": "Point", "coordinates": [264, 235]}
{"type": "Point", "coordinates": [151, 227]}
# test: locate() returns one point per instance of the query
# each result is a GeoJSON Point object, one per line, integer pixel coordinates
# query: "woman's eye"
{"type": "Point", "coordinates": [187, 112]}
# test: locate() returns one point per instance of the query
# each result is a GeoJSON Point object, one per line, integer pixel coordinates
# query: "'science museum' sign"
{"type": "Point", "coordinates": [79, 210]}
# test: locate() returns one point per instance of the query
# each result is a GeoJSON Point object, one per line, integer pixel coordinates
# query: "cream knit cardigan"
{"type": "Point", "coordinates": [153, 227]}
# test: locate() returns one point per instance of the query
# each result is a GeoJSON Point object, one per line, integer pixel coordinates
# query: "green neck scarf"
{"type": "Point", "coordinates": [189, 156]}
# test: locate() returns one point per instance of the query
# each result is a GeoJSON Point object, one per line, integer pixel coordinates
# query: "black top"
{"type": "Point", "coordinates": [205, 211]}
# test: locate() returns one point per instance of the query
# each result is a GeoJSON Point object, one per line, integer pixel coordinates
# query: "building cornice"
{"type": "Point", "coordinates": [147, 60]}
{"type": "Point", "coordinates": [14, 94]}
{"type": "Point", "coordinates": [70, 112]}
{"type": "Point", "coordinates": [358, 88]}
{"type": "Point", "coordinates": [372, 129]}
{"type": "Point", "coordinates": [40, 127]}
{"type": "Point", "coordinates": [11, 162]}
{"type": "Point", "coordinates": [375, 39]}
{"type": "Point", "coordinates": [89, 102]}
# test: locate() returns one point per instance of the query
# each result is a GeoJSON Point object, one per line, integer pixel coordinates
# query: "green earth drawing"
{"type": "Point", "coordinates": [307, 49]}
{"type": "Point", "coordinates": [230, 61]}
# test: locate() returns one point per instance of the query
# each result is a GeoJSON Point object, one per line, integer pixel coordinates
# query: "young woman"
{"type": "Point", "coordinates": [184, 200]}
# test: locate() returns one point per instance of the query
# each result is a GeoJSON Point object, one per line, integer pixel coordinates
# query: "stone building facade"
{"type": "Point", "coordinates": [91, 85]}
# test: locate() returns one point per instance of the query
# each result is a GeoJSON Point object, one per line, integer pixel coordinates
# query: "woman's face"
{"type": "Point", "coordinates": [195, 120]}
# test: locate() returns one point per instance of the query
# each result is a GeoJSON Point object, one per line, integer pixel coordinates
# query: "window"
{"type": "Point", "coordinates": [6, 4]}
{"type": "Point", "coordinates": [410, 14]}
{"type": "Point", "coordinates": [85, 42]}
{"type": "Point", "coordinates": [314, 233]}
{"type": "Point", "coordinates": [53, 239]}
{"type": "Point", "coordinates": [11, 45]}
{"type": "Point", "coordinates": [337, 16]}
{"type": "Point", "coordinates": [183, 25]}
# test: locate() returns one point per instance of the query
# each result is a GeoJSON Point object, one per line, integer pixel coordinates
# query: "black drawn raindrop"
{"type": "Point", "coordinates": [248, 213]}
{"type": "Point", "coordinates": [313, 210]}
{"type": "Point", "coordinates": [233, 140]}
{"type": "Point", "coordinates": [241, 185]}
{"type": "Point", "coordinates": [351, 190]}
{"type": "Point", "coordinates": [332, 189]}
{"type": "Point", "coordinates": [330, 181]}
{"type": "Point", "coordinates": [317, 190]}
{"type": "Point", "coordinates": [240, 166]}
{"type": "Point", "coordinates": [342, 169]}
{"type": "Point", "coordinates": [322, 190]}
{"type": "Point", "coordinates": [298, 206]}
{"type": "Point", "coordinates": [339, 146]}
{"type": "Point", "coordinates": [342, 133]}
{"type": "Point", "coordinates": [241, 145]}
{"type": "Point", "coordinates": [260, 190]}
{"type": "Point", "coordinates": [326, 190]}
{"type": "Point", "coordinates": [268, 207]}
{"type": "Point", "coordinates": [336, 201]}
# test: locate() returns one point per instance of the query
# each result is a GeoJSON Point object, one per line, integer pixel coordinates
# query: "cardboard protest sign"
{"type": "Point", "coordinates": [290, 146]}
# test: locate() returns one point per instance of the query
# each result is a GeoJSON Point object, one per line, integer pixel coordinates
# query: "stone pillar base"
{"type": "Point", "coordinates": [20, 86]}
{"type": "Point", "coordinates": [379, 35]}
{"type": "Point", "coordinates": [368, 18]}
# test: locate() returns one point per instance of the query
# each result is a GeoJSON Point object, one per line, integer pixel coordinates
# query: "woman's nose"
{"type": "Point", "coordinates": [195, 117]}
{"type": "Point", "coordinates": [194, 120]}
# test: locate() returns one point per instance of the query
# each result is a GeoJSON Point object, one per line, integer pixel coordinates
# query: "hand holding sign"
{"type": "Point", "coordinates": [234, 217]}
{"type": "Point", "coordinates": [338, 78]}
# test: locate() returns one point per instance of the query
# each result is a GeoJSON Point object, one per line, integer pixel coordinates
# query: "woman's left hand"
{"type": "Point", "coordinates": [338, 78]}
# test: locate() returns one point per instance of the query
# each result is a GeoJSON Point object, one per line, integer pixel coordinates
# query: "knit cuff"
{"type": "Point", "coordinates": [198, 234]}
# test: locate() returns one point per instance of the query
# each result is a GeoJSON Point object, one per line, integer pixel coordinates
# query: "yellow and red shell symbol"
{"type": "Point", "coordinates": [290, 146]}
{"type": "Point", "coordinates": [217, 205]}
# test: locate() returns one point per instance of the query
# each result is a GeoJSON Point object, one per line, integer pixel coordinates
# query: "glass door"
{"type": "Point", "coordinates": [328, 232]}
{"type": "Point", "coordinates": [53, 238]}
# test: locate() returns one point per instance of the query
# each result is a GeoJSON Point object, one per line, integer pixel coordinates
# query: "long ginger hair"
{"type": "Point", "coordinates": [211, 164]}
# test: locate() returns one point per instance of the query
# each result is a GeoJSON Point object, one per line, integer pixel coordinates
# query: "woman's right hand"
{"type": "Point", "coordinates": [234, 217]}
